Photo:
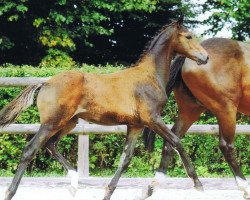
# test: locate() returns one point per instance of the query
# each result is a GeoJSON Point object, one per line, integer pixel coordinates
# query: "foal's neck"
{"type": "Point", "coordinates": [162, 58]}
{"type": "Point", "coordinates": [158, 59]}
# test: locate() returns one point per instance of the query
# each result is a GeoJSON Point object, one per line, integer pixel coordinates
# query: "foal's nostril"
{"type": "Point", "coordinates": [207, 59]}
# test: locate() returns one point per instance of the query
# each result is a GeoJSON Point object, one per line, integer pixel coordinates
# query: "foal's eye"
{"type": "Point", "coordinates": [189, 37]}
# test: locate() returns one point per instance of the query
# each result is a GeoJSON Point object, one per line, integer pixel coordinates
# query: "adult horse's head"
{"type": "Point", "coordinates": [183, 42]}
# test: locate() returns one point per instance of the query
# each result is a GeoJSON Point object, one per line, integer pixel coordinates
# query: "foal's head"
{"type": "Point", "coordinates": [183, 42]}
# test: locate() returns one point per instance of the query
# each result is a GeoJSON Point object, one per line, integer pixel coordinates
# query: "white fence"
{"type": "Point", "coordinates": [83, 128]}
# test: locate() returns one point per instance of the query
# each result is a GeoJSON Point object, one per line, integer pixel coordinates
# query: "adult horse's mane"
{"type": "Point", "coordinates": [175, 73]}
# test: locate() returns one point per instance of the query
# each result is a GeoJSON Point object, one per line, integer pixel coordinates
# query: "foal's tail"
{"type": "Point", "coordinates": [175, 79]}
{"type": "Point", "coordinates": [10, 112]}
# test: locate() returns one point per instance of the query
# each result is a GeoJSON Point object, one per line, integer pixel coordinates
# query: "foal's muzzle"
{"type": "Point", "coordinates": [202, 61]}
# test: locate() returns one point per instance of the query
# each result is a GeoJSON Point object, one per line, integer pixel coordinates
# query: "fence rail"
{"type": "Point", "coordinates": [83, 129]}
{"type": "Point", "coordinates": [21, 81]}
{"type": "Point", "coordinates": [86, 129]}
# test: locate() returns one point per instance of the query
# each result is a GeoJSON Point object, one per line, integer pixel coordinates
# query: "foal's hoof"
{"type": "Point", "coordinates": [247, 193]}
{"type": "Point", "coordinates": [146, 192]}
{"type": "Point", "coordinates": [107, 197]}
{"type": "Point", "coordinates": [199, 188]}
{"type": "Point", "coordinates": [8, 195]}
{"type": "Point", "coordinates": [72, 191]}
{"type": "Point", "coordinates": [141, 197]}
{"type": "Point", "coordinates": [74, 182]}
{"type": "Point", "coordinates": [138, 198]}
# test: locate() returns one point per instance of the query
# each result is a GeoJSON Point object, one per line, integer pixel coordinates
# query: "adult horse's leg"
{"type": "Point", "coordinates": [227, 124]}
{"type": "Point", "coordinates": [125, 159]}
{"type": "Point", "coordinates": [51, 146]}
{"type": "Point", "coordinates": [44, 133]}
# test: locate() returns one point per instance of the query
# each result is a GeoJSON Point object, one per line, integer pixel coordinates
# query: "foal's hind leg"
{"type": "Point", "coordinates": [227, 124]}
{"type": "Point", "coordinates": [29, 152]}
{"type": "Point", "coordinates": [125, 159]}
{"type": "Point", "coordinates": [51, 146]}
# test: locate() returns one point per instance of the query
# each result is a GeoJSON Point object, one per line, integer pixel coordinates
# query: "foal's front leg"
{"type": "Point", "coordinates": [125, 159]}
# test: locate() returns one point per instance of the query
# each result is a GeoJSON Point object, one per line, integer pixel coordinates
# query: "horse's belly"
{"type": "Point", "coordinates": [109, 118]}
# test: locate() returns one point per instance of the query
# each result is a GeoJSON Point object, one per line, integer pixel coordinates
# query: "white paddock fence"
{"type": "Point", "coordinates": [83, 128]}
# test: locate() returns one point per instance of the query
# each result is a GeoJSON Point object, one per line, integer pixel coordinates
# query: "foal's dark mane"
{"type": "Point", "coordinates": [151, 43]}
{"type": "Point", "coordinates": [176, 65]}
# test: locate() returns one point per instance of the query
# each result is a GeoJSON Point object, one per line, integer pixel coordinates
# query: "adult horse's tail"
{"type": "Point", "coordinates": [175, 78]}
{"type": "Point", "coordinates": [10, 112]}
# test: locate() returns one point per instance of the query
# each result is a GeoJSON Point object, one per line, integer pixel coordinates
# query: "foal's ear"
{"type": "Point", "coordinates": [180, 21]}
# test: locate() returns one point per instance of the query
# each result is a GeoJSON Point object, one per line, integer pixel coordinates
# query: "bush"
{"type": "Point", "coordinates": [105, 150]}
{"type": "Point", "coordinates": [56, 58]}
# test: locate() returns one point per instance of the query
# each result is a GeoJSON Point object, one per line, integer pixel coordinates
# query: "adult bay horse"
{"type": "Point", "coordinates": [134, 96]}
{"type": "Point", "coordinates": [222, 86]}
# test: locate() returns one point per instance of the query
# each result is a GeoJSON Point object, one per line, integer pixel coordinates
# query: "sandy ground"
{"type": "Point", "coordinates": [57, 189]}
{"type": "Point", "coordinates": [122, 194]}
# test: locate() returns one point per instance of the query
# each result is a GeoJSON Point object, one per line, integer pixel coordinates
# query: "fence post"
{"type": "Point", "coordinates": [83, 152]}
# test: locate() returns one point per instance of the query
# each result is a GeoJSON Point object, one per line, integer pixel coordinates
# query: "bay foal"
{"type": "Point", "coordinates": [222, 86]}
{"type": "Point", "coordinates": [134, 96]}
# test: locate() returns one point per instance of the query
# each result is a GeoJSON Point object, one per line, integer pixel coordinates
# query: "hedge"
{"type": "Point", "coordinates": [105, 150]}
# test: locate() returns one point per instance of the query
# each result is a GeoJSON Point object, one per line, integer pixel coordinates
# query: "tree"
{"type": "Point", "coordinates": [235, 12]}
{"type": "Point", "coordinates": [90, 30]}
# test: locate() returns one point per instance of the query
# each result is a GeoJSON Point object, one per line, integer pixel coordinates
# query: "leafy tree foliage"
{"type": "Point", "coordinates": [235, 12]}
{"type": "Point", "coordinates": [94, 31]}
